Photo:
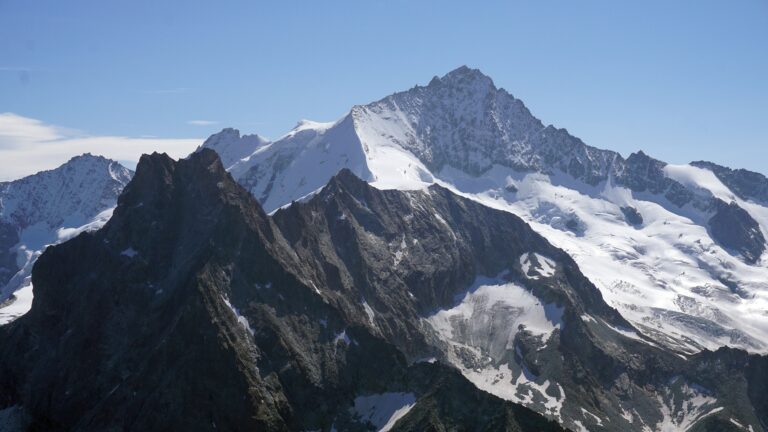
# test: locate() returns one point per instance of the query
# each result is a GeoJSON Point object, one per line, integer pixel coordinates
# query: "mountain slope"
{"type": "Point", "coordinates": [198, 313]}
{"type": "Point", "coordinates": [47, 208]}
{"type": "Point", "coordinates": [679, 253]}
{"type": "Point", "coordinates": [354, 308]}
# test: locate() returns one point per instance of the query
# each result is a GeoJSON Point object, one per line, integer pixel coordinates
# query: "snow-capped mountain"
{"type": "Point", "coordinates": [232, 147]}
{"type": "Point", "coordinates": [679, 250]}
{"type": "Point", "coordinates": [47, 208]}
{"type": "Point", "coordinates": [355, 309]}
{"type": "Point", "coordinates": [612, 313]}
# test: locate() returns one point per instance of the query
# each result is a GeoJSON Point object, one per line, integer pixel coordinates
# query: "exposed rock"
{"type": "Point", "coordinates": [643, 173]}
{"type": "Point", "coordinates": [632, 216]}
{"type": "Point", "coordinates": [744, 183]}
{"type": "Point", "coordinates": [190, 310]}
{"type": "Point", "coordinates": [9, 237]}
{"type": "Point", "coordinates": [735, 229]}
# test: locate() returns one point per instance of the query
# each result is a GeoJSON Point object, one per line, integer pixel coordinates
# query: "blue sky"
{"type": "Point", "coordinates": [682, 80]}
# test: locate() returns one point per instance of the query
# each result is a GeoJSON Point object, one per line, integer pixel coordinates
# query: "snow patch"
{"type": "Point", "coordinates": [385, 409]}
{"type": "Point", "coordinates": [369, 311]}
{"type": "Point", "coordinates": [541, 266]}
{"type": "Point", "coordinates": [483, 324]}
{"type": "Point", "coordinates": [475, 311]}
{"type": "Point", "coordinates": [240, 319]}
{"type": "Point", "coordinates": [130, 252]}
{"type": "Point", "coordinates": [18, 307]}
{"type": "Point", "coordinates": [681, 410]}
{"type": "Point", "coordinates": [342, 337]}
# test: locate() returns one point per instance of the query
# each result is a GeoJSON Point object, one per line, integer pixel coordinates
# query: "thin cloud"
{"type": "Point", "coordinates": [16, 131]}
{"type": "Point", "coordinates": [29, 145]}
{"type": "Point", "coordinates": [202, 122]}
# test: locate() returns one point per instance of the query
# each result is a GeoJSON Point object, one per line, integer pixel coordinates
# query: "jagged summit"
{"type": "Point", "coordinates": [77, 188]}
{"type": "Point", "coordinates": [88, 156]}
{"type": "Point", "coordinates": [86, 161]}
{"type": "Point", "coordinates": [465, 77]}
{"type": "Point", "coordinates": [231, 146]}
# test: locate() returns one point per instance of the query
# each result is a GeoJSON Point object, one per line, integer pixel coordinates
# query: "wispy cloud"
{"type": "Point", "coordinates": [202, 122]}
{"type": "Point", "coordinates": [29, 145]}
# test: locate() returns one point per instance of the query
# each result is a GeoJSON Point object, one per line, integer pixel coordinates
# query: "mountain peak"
{"type": "Point", "coordinates": [231, 146]}
{"type": "Point", "coordinates": [86, 156]}
{"type": "Point", "coordinates": [346, 180]}
{"type": "Point", "coordinates": [465, 76]}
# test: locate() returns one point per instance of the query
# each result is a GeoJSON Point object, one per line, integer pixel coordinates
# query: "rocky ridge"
{"type": "Point", "coordinates": [198, 309]}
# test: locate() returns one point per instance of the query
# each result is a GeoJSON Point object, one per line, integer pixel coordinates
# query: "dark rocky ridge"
{"type": "Point", "coordinates": [136, 317]}
{"type": "Point", "coordinates": [9, 237]}
{"type": "Point", "coordinates": [143, 306]}
{"type": "Point", "coordinates": [642, 173]}
{"type": "Point", "coordinates": [744, 183]}
{"type": "Point", "coordinates": [735, 229]}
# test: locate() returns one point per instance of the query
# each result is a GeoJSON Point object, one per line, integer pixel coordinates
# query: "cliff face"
{"type": "Point", "coordinates": [193, 309]}
{"type": "Point", "coordinates": [189, 310]}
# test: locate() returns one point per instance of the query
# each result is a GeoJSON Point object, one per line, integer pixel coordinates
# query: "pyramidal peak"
{"type": "Point", "coordinates": [464, 76]}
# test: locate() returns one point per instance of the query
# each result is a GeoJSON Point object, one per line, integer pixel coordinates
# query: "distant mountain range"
{"type": "Point", "coordinates": [436, 260]}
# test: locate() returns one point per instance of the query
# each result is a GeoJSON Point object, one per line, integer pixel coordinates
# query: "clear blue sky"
{"type": "Point", "coordinates": [681, 80]}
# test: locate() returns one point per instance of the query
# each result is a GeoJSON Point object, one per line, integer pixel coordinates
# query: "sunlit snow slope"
{"type": "Point", "coordinates": [677, 251]}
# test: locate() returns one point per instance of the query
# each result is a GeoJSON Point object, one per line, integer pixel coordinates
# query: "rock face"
{"type": "Point", "coordinates": [632, 216]}
{"type": "Point", "coordinates": [734, 228]}
{"type": "Point", "coordinates": [192, 309]}
{"type": "Point", "coordinates": [463, 120]}
{"type": "Point", "coordinates": [643, 173]}
{"type": "Point", "coordinates": [49, 207]}
{"type": "Point", "coordinates": [9, 237]}
{"type": "Point", "coordinates": [746, 184]}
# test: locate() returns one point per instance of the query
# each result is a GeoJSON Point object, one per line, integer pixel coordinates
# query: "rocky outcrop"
{"type": "Point", "coordinates": [632, 216]}
{"type": "Point", "coordinates": [744, 183]}
{"type": "Point", "coordinates": [643, 173]}
{"type": "Point", "coordinates": [734, 228]}
{"type": "Point", "coordinates": [9, 237]}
